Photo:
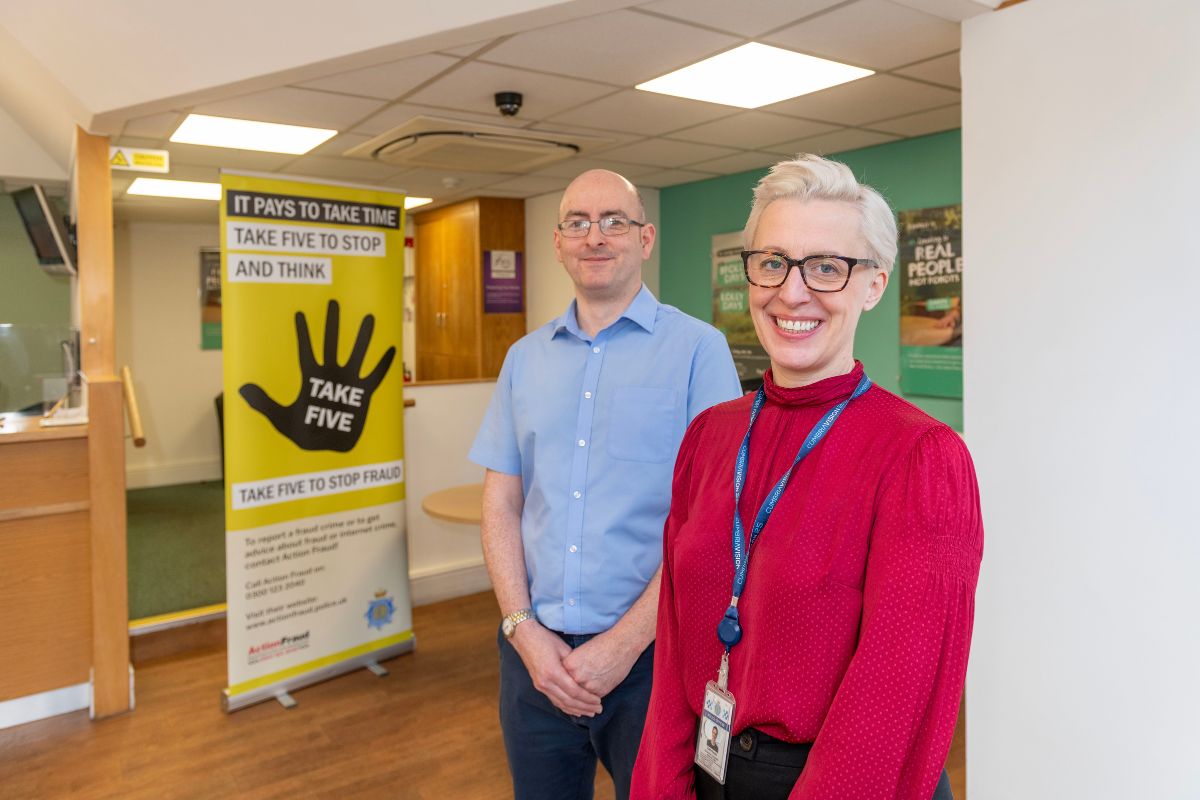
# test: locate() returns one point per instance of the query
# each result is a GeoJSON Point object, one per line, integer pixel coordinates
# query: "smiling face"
{"type": "Point", "coordinates": [810, 335]}
{"type": "Point", "coordinates": [603, 268]}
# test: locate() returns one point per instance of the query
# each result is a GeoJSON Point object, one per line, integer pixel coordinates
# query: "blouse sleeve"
{"type": "Point", "coordinates": [889, 728]}
{"type": "Point", "coordinates": [664, 763]}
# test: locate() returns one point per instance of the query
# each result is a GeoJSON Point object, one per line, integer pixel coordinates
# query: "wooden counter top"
{"type": "Point", "coordinates": [456, 504]}
{"type": "Point", "coordinates": [21, 428]}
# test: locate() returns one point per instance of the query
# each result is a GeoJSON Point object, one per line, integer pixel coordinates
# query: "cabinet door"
{"type": "Point", "coordinates": [430, 339]}
{"type": "Point", "coordinates": [461, 304]}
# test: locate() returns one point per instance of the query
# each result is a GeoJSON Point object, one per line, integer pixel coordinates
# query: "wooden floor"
{"type": "Point", "coordinates": [429, 730]}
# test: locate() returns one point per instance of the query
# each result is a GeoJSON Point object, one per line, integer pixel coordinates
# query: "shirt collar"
{"type": "Point", "coordinates": [643, 310]}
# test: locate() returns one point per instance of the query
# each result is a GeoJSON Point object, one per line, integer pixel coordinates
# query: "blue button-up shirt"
{"type": "Point", "coordinates": [592, 426]}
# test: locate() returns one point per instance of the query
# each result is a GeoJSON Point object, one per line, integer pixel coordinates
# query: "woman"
{"type": "Point", "coordinates": [842, 643]}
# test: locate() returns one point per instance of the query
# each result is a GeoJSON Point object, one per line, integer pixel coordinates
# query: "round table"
{"type": "Point", "coordinates": [456, 504]}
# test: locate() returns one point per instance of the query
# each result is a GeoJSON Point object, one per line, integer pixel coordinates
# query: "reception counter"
{"type": "Point", "coordinates": [45, 560]}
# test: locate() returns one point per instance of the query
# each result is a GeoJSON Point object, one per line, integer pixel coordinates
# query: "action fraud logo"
{"type": "Point", "coordinates": [277, 647]}
{"type": "Point", "coordinates": [380, 611]}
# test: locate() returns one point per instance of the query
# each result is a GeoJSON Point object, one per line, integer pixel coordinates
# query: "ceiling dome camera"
{"type": "Point", "coordinates": [509, 103]}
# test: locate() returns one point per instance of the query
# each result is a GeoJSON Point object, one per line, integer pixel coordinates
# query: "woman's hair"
{"type": "Point", "coordinates": [810, 177]}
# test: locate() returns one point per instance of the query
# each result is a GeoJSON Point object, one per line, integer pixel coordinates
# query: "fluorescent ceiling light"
{"type": "Point", "coordinates": [245, 134]}
{"type": "Point", "coordinates": [413, 202]}
{"type": "Point", "coordinates": [188, 190]}
{"type": "Point", "coordinates": [753, 75]}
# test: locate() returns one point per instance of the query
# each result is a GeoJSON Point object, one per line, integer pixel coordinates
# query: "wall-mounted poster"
{"type": "Point", "coordinates": [210, 298]}
{"type": "Point", "coordinates": [731, 306]}
{"type": "Point", "coordinates": [503, 282]}
{"type": "Point", "coordinates": [930, 272]}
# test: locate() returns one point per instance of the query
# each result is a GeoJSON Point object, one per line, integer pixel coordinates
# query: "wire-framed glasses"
{"type": "Point", "coordinates": [820, 273]}
{"type": "Point", "coordinates": [613, 225]}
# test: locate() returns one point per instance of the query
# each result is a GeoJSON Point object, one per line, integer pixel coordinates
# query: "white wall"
{"type": "Point", "coordinates": [548, 290]}
{"type": "Point", "coordinates": [158, 336]}
{"type": "Point", "coordinates": [445, 559]}
{"type": "Point", "coordinates": [1081, 172]}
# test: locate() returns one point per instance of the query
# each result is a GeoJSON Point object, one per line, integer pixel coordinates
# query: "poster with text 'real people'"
{"type": "Point", "coordinates": [930, 268]}
{"type": "Point", "coordinates": [316, 563]}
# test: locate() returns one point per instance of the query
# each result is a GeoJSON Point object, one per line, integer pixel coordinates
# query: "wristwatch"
{"type": "Point", "coordinates": [508, 626]}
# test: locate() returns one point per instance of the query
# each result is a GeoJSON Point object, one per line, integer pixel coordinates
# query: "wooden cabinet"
{"type": "Point", "coordinates": [455, 338]}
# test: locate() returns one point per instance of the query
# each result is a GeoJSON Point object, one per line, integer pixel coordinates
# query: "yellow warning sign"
{"type": "Point", "coordinates": [139, 159]}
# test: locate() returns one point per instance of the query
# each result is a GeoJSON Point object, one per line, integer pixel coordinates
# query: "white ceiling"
{"type": "Point", "coordinates": [577, 73]}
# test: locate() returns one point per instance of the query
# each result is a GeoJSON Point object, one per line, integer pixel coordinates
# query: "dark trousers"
{"type": "Point", "coordinates": [762, 767]}
{"type": "Point", "coordinates": [552, 755]}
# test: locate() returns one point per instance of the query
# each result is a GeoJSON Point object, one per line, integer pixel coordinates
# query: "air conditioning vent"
{"type": "Point", "coordinates": [437, 143]}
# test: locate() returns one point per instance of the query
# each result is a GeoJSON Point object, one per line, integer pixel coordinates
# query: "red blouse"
{"type": "Point", "coordinates": [859, 597]}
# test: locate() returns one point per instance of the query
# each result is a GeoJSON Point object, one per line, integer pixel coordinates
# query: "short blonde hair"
{"type": "Point", "coordinates": [811, 177]}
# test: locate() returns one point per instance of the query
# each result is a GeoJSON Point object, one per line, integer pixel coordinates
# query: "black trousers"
{"type": "Point", "coordinates": [762, 767]}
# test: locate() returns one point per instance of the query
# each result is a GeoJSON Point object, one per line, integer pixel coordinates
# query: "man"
{"type": "Point", "coordinates": [579, 443]}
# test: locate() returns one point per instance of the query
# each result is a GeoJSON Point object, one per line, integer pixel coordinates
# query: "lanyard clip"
{"type": "Point", "coordinates": [723, 672]}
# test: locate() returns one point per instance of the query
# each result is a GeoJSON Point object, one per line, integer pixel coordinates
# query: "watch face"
{"type": "Point", "coordinates": [507, 627]}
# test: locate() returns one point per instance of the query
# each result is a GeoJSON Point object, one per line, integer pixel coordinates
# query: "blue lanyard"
{"type": "Point", "coordinates": [729, 631]}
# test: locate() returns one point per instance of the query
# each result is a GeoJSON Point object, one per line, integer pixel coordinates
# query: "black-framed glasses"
{"type": "Point", "coordinates": [820, 273]}
{"type": "Point", "coordinates": [614, 225]}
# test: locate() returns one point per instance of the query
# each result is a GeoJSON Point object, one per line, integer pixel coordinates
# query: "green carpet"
{"type": "Point", "coordinates": [176, 548]}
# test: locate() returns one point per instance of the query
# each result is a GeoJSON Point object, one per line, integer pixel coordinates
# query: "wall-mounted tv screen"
{"type": "Point", "coordinates": [47, 231]}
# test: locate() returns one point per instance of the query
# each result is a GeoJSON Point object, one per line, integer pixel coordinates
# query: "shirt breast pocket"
{"type": "Point", "coordinates": [643, 424]}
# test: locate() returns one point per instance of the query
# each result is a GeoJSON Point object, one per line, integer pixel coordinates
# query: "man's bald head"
{"type": "Point", "coordinates": [602, 180]}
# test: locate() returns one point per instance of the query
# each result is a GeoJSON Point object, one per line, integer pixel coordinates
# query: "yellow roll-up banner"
{"type": "Point", "coordinates": [316, 566]}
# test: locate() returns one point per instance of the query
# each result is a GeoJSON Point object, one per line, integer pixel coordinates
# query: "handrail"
{"type": "Point", "coordinates": [131, 408]}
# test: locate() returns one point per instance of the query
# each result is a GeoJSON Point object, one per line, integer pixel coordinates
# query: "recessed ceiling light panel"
{"type": "Point", "coordinates": [245, 134]}
{"type": "Point", "coordinates": [187, 190]}
{"type": "Point", "coordinates": [754, 75]}
{"type": "Point", "coordinates": [415, 202]}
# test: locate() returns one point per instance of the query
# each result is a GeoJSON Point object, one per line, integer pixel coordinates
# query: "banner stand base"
{"type": "Point", "coordinates": [276, 690]}
{"type": "Point", "coordinates": [377, 669]}
{"type": "Point", "coordinates": [285, 699]}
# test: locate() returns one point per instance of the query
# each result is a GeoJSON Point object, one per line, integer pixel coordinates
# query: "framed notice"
{"type": "Point", "coordinates": [930, 272]}
{"type": "Point", "coordinates": [731, 306]}
{"type": "Point", "coordinates": [210, 298]}
{"type": "Point", "coordinates": [503, 282]}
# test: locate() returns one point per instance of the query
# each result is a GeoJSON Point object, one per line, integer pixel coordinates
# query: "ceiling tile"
{"type": "Point", "coordinates": [467, 49]}
{"type": "Point", "coordinates": [738, 162]}
{"type": "Point", "coordinates": [745, 18]}
{"type": "Point", "coordinates": [672, 177]}
{"type": "Point", "coordinates": [577, 166]}
{"type": "Point", "coordinates": [342, 169]}
{"type": "Point", "coordinates": [665, 153]}
{"type": "Point", "coordinates": [533, 184]}
{"type": "Point", "coordinates": [646, 113]}
{"type": "Point", "coordinates": [620, 47]}
{"type": "Point", "coordinates": [872, 33]}
{"type": "Point", "coordinates": [385, 81]}
{"type": "Point", "coordinates": [339, 144]}
{"type": "Point", "coordinates": [954, 10]}
{"type": "Point", "coordinates": [941, 119]}
{"type": "Point", "coordinates": [155, 126]}
{"type": "Point", "coordinates": [836, 142]}
{"type": "Point", "coordinates": [866, 100]}
{"type": "Point", "coordinates": [200, 156]}
{"type": "Point", "coordinates": [293, 106]}
{"type": "Point", "coordinates": [400, 113]}
{"type": "Point", "coordinates": [751, 129]}
{"type": "Point", "coordinates": [473, 87]}
{"type": "Point", "coordinates": [943, 70]}
{"type": "Point", "coordinates": [432, 183]}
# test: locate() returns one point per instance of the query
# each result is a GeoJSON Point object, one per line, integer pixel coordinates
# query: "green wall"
{"type": "Point", "coordinates": [27, 293]}
{"type": "Point", "coordinates": [914, 173]}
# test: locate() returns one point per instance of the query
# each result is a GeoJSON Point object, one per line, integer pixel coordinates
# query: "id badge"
{"type": "Point", "coordinates": [712, 740]}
